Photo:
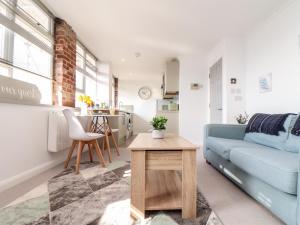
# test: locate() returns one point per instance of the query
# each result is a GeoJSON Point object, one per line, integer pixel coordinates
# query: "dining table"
{"type": "Point", "coordinates": [99, 123]}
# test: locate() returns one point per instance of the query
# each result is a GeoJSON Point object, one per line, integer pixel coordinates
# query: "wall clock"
{"type": "Point", "coordinates": [145, 93]}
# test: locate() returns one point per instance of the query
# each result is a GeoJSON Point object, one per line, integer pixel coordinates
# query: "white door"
{"type": "Point", "coordinates": [215, 75]}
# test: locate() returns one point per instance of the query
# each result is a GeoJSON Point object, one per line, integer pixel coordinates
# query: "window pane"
{"type": "Point", "coordinates": [30, 57]}
{"type": "Point", "coordinates": [79, 61]}
{"type": "Point", "coordinates": [79, 80]}
{"type": "Point", "coordinates": [4, 70]}
{"type": "Point", "coordinates": [77, 102]}
{"type": "Point", "coordinates": [2, 9]}
{"type": "Point", "coordinates": [91, 72]}
{"type": "Point", "coordinates": [103, 90]}
{"type": "Point", "coordinates": [43, 84]}
{"type": "Point", "coordinates": [91, 59]}
{"type": "Point", "coordinates": [35, 13]}
{"type": "Point", "coordinates": [33, 31]}
{"type": "Point", "coordinates": [2, 41]}
{"type": "Point", "coordinates": [90, 87]}
{"type": "Point", "coordinates": [5, 11]}
{"type": "Point", "coordinates": [79, 50]}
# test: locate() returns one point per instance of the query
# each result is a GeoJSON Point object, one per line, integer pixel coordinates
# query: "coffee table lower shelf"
{"type": "Point", "coordinates": [163, 190]}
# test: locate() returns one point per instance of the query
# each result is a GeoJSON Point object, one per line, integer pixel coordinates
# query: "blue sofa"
{"type": "Point", "coordinates": [262, 165]}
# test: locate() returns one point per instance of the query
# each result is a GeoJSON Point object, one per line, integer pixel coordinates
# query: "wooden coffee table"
{"type": "Point", "coordinates": [163, 175]}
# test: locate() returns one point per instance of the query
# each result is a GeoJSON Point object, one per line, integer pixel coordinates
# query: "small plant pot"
{"type": "Point", "coordinates": [158, 134]}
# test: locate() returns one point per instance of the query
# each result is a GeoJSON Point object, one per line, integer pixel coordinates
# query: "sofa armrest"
{"type": "Point", "coordinates": [230, 131]}
{"type": "Point", "coordinates": [298, 191]}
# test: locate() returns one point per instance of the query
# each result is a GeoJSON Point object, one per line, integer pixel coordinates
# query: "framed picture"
{"type": "Point", "coordinates": [265, 83]}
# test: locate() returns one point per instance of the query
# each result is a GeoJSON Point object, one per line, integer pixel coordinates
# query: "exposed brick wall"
{"type": "Point", "coordinates": [116, 86]}
{"type": "Point", "coordinates": [64, 78]}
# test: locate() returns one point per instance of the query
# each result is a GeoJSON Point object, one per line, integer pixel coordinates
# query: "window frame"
{"type": "Point", "coordinates": [86, 65]}
{"type": "Point", "coordinates": [36, 35]}
{"type": "Point", "coordinates": [9, 22]}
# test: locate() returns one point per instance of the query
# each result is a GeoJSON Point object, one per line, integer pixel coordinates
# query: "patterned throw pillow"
{"type": "Point", "coordinates": [267, 123]}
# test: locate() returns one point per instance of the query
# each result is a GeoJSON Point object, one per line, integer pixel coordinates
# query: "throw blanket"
{"type": "Point", "coordinates": [296, 128]}
{"type": "Point", "coordinates": [267, 123]}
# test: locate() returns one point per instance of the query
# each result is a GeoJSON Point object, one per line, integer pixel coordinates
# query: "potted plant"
{"type": "Point", "coordinates": [242, 119]}
{"type": "Point", "coordinates": [86, 102]}
{"type": "Point", "coordinates": [159, 127]}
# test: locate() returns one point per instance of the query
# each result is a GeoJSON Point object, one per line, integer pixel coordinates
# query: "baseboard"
{"type": "Point", "coordinates": [12, 181]}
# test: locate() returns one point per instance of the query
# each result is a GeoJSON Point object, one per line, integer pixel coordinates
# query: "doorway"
{"type": "Point", "coordinates": [216, 104]}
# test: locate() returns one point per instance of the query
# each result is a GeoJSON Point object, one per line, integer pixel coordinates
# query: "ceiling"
{"type": "Point", "coordinates": [114, 30]}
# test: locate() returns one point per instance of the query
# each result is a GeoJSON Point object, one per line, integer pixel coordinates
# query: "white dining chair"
{"type": "Point", "coordinates": [81, 138]}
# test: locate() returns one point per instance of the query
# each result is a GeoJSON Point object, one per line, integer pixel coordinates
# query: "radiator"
{"type": "Point", "coordinates": [58, 132]}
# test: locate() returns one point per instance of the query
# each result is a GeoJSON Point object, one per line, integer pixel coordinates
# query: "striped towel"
{"type": "Point", "coordinates": [267, 123]}
{"type": "Point", "coordinates": [296, 128]}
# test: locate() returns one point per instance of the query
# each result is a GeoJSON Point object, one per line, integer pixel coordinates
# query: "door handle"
{"type": "Point", "coordinates": [220, 109]}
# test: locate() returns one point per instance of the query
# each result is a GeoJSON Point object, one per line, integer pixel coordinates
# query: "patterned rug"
{"type": "Point", "coordinates": [97, 196]}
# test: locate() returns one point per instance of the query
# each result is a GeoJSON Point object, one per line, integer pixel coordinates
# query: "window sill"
{"type": "Point", "coordinates": [8, 101]}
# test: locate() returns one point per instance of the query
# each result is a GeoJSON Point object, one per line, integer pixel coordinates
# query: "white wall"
{"type": "Point", "coordinates": [23, 141]}
{"type": "Point", "coordinates": [144, 110]}
{"type": "Point", "coordinates": [193, 112]}
{"type": "Point", "coordinates": [273, 47]}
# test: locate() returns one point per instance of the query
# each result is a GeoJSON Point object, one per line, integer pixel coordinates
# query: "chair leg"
{"type": "Point", "coordinates": [79, 152]}
{"type": "Point", "coordinates": [91, 152]}
{"type": "Point", "coordinates": [99, 153]}
{"type": "Point", "coordinates": [108, 147]}
{"type": "Point", "coordinates": [70, 154]}
{"type": "Point", "coordinates": [103, 143]}
{"type": "Point", "coordinates": [115, 143]}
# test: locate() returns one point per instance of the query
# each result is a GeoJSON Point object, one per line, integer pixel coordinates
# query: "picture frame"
{"type": "Point", "coordinates": [265, 83]}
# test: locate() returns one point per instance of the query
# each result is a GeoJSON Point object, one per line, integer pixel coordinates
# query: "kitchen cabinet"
{"type": "Point", "coordinates": [170, 84]}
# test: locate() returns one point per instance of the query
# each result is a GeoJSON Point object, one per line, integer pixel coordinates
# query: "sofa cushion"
{"type": "Point", "coordinates": [223, 146]}
{"type": "Point", "coordinates": [276, 168]}
{"type": "Point", "coordinates": [272, 140]}
{"type": "Point", "coordinates": [292, 144]}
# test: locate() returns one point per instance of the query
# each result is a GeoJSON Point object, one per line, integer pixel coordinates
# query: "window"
{"type": "Point", "coordinates": [26, 44]}
{"type": "Point", "coordinates": [86, 73]}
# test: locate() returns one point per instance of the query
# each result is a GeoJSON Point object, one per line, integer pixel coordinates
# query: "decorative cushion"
{"type": "Point", "coordinates": [276, 168]}
{"type": "Point", "coordinates": [273, 141]}
{"type": "Point", "coordinates": [270, 124]}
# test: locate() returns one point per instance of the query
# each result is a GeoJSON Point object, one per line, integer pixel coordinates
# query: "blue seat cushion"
{"type": "Point", "coordinates": [223, 146]}
{"type": "Point", "coordinates": [276, 168]}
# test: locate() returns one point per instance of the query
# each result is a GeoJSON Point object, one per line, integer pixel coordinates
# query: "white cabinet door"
{"type": "Point", "coordinates": [172, 76]}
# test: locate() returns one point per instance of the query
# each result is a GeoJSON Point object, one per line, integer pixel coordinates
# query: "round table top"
{"type": "Point", "coordinates": [98, 115]}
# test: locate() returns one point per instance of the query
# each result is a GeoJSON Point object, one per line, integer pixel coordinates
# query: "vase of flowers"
{"type": "Point", "coordinates": [86, 103]}
{"type": "Point", "coordinates": [242, 118]}
{"type": "Point", "coordinates": [159, 127]}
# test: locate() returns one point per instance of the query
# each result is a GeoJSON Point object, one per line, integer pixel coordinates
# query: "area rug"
{"type": "Point", "coordinates": [97, 196]}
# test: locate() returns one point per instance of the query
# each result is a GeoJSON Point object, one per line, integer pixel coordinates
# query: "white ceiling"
{"type": "Point", "coordinates": [159, 29]}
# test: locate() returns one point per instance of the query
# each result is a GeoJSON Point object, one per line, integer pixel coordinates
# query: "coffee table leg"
{"type": "Point", "coordinates": [189, 184]}
{"type": "Point", "coordinates": [138, 184]}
